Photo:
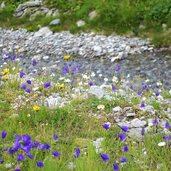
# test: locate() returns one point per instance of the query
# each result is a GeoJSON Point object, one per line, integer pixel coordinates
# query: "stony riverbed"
{"type": "Point", "coordinates": [93, 53]}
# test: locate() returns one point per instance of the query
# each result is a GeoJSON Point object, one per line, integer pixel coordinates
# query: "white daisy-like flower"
{"type": "Point", "coordinates": [61, 78]}
{"type": "Point", "coordinates": [67, 80]}
{"type": "Point", "coordinates": [101, 107]}
{"type": "Point", "coordinates": [80, 83]}
{"type": "Point", "coordinates": [100, 75]}
{"type": "Point", "coordinates": [85, 76]}
{"type": "Point", "coordinates": [93, 74]}
{"type": "Point", "coordinates": [115, 79]}
{"type": "Point", "coordinates": [159, 83]}
{"type": "Point", "coordinates": [106, 79]}
{"type": "Point", "coordinates": [161, 144]}
{"type": "Point", "coordinates": [170, 91]}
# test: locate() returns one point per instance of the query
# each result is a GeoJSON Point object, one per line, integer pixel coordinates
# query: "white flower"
{"type": "Point", "coordinates": [35, 88]}
{"type": "Point", "coordinates": [144, 99]}
{"type": "Point", "coordinates": [93, 74]}
{"type": "Point", "coordinates": [18, 59]}
{"type": "Point", "coordinates": [105, 79]}
{"type": "Point", "coordinates": [160, 90]}
{"type": "Point", "coordinates": [52, 75]}
{"type": "Point", "coordinates": [115, 79]}
{"type": "Point", "coordinates": [28, 115]}
{"type": "Point", "coordinates": [80, 83]}
{"type": "Point", "coordinates": [101, 107]}
{"type": "Point", "coordinates": [128, 75]}
{"type": "Point", "coordinates": [67, 80]}
{"type": "Point", "coordinates": [43, 68]}
{"type": "Point", "coordinates": [61, 78]}
{"type": "Point", "coordinates": [71, 165]}
{"type": "Point", "coordinates": [85, 76]}
{"type": "Point", "coordinates": [161, 144]}
{"type": "Point", "coordinates": [170, 91]}
{"type": "Point", "coordinates": [8, 165]}
{"type": "Point", "coordinates": [13, 68]}
{"type": "Point", "coordinates": [100, 75]}
{"type": "Point", "coordinates": [159, 83]}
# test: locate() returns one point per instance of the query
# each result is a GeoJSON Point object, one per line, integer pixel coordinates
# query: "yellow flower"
{"type": "Point", "coordinates": [36, 108]}
{"type": "Point", "coordinates": [60, 86]}
{"type": "Point", "coordinates": [6, 77]}
{"type": "Point", "coordinates": [6, 71]}
{"type": "Point", "coordinates": [66, 57]}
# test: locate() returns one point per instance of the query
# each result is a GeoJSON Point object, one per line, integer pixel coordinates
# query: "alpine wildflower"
{"type": "Point", "coordinates": [3, 134]}
{"type": "Point", "coordinates": [107, 125]}
{"type": "Point", "coordinates": [67, 57]}
{"type": "Point", "coordinates": [6, 71]}
{"type": "Point", "coordinates": [77, 152]}
{"type": "Point", "coordinates": [105, 157]}
{"type": "Point", "coordinates": [36, 108]}
{"type": "Point", "coordinates": [122, 136]}
{"type": "Point", "coordinates": [40, 164]}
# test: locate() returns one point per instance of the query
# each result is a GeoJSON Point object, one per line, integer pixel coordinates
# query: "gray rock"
{"type": "Point", "coordinates": [44, 31]}
{"type": "Point", "coordinates": [49, 13]}
{"type": "Point", "coordinates": [92, 15]}
{"type": "Point", "coordinates": [55, 13]}
{"type": "Point", "coordinates": [97, 48]}
{"type": "Point", "coordinates": [53, 102]}
{"type": "Point", "coordinates": [126, 109]}
{"type": "Point", "coordinates": [97, 91]}
{"type": "Point", "coordinates": [135, 133]}
{"type": "Point", "coordinates": [126, 123]}
{"type": "Point", "coordinates": [27, 4]}
{"type": "Point", "coordinates": [34, 15]}
{"type": "Point", "coordinates": [137, 123]}
{"type": "Point", "coordinates": [117, 109]}
{"type": "Point", "coordinates": [45, 58]}
{"type": "Point", "coordinates": [2, 5]}
{"type": "Point", "coordinates": [55, 22]}
{"type": "Point", "coordinates": [130, 114]}
{"type": "Point", "coordinates": [80, 23]}
{"type": "Point", "coordinates": [148, 108]}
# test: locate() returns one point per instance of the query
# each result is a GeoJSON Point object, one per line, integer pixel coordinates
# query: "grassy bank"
{"type": "Point", "coordinates": [145, 18]}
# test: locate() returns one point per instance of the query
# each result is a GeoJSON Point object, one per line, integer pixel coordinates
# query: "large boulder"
{"type": "Point", "coordinates": [44, 31]}
{"type": "Point", "coordinates": [28, 7]}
